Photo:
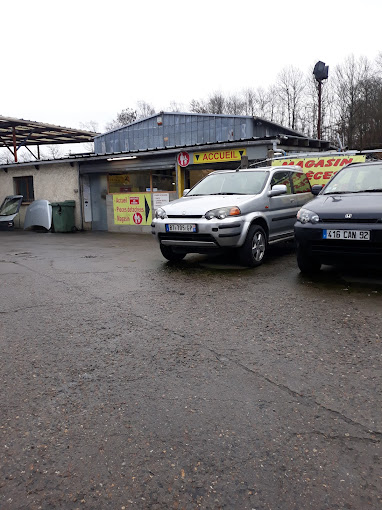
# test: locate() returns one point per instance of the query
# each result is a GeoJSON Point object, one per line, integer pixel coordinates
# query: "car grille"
{"type": "Point", "coordinates": [184, 216]}
{"type": "Point", "coordinates": [186, 236]}
{"type": "Point", "coordinates": [351, 220]}
{"type": "Point", "coordinates": [347, 247]}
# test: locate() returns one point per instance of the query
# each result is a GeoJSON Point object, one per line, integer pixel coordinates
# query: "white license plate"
{"type": "Point", "coordinates": [180, 227]}
{"type": "Point", "coordinates": [352, 235]}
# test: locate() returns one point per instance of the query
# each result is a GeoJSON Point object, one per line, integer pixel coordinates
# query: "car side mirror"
{"type": "Point", "coordinates": [317, 188]}
{"type": "Point", "coordinates": [185, 191]}
{"type": "Point", "coordinates": [277, 189]}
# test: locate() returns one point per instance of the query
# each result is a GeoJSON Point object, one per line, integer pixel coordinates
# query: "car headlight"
{"type": "Point", "coordinates": [160, 213]}
{"type": "Point", "coordinates": [222, 213]}
{"type": "Point", "coordinates": [306, 216]}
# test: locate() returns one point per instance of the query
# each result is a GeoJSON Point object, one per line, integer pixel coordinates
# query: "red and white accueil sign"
{"type": "Point", "coordinates": [134, 200]}
{"type": "Point", "coordinates": [183, 159]}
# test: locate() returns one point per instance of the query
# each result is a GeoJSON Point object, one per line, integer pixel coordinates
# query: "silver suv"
{"type": "Point", "coordinates": [244, 209]}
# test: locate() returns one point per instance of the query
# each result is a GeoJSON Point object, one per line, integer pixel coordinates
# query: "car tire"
{"type": "Point", "coordinates": [255, 247]}
{"type": "Point", "coordinates": [306, 263]}
{"type": "Point", "coordinates": [169, 254]}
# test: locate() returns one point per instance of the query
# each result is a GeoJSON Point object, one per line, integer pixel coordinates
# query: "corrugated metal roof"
{"type": "Point", "coordinates": [206, 115]}
{"type": "Point", "coordinates": [139, 121]}
{"type": "Point", "coordinates": [178, 129]}
{"type": "Point", "coordinates": [29, 132]}
{"type": "Point", "coordinates": [284, 140]}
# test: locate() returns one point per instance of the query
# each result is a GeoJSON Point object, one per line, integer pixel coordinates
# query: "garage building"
{"type": "Point", "coordinates": [138, 167]}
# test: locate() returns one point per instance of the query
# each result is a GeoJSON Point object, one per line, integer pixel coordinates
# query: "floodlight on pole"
{"type": "Point", "coordinates": [321, 72]}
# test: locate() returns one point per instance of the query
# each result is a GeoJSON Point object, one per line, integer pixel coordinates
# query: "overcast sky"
{"type": "Point", "coordinates": [68, 62]}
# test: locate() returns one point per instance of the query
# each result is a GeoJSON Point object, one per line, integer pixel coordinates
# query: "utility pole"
{"type": "Point", "coordinates": [321, 72]}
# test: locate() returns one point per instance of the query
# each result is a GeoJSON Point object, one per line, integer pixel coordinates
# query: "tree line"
{"type": "Point", "coordinates": [351, 105]}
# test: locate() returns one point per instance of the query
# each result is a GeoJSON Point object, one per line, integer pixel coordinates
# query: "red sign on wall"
{"type": "Point", "coordinates": [183, 159]}
{"type": "Point", "coordinates": [137, 218]}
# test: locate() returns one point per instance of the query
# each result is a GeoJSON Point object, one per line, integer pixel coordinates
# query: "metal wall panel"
{"type": "Point", "coordinates": [177, 129]}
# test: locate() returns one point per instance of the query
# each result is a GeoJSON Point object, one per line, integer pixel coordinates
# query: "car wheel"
{"type": "Point", "coordinates": [306, 263]}
{"type": "Point", "coordinates": [255, 246]}
{"type": "Point", "coordinates": [169, 254]}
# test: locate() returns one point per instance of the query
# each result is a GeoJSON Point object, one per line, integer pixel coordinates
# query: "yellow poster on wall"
{"type": "Point", "coordinates": [132, 209]}
{"type": "Point", "coordinates": [320, 170]}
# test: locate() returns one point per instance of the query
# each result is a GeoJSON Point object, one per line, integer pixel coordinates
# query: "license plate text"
{"type": "Point", "coordinates": [180, 227]}
{"type": "Point", "coordinates": [353, 235]}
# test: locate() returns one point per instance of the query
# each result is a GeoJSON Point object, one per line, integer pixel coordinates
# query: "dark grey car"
{"type": "Point", "coordinates": [344, 222]}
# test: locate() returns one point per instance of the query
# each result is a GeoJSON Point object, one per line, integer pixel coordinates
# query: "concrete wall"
{"type": "Point", "coordinates": [54, 182]}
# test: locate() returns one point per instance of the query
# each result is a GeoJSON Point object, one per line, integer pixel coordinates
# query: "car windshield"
{"type": "Point", "coordinates": [231, 183]}
{"type": "Point", "coordinates": [10, 206]}
{"type": "Point", "coordinates": [356, 179]}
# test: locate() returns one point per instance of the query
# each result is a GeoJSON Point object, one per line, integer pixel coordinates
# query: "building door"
{"type": "Point", "coordinates": [98, 192]}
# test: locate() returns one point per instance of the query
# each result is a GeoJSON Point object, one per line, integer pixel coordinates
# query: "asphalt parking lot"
{"type": "Point", "coordinates": [128, 382]}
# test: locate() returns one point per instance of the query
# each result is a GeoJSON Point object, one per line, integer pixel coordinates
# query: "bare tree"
{"type": "Point", "coordinates": [91, 125]}
{"type": "Point", "coordinates": [350, 79]}
{"type": "Point", "coordinates": [261, 101]}
{"type": "Point", "coordinates": [198, 106]}
{"type": "Point", "coordinates": [272, 111]}
{"type": "Point", "coordinates": [308, 117]}
{"type": "Point", "coordinates": [378, 63]}
{"type": "Point", "coordinates": [129, 115]}
{"type": "Point", "coordinates": [24, 156]}
{"type": "Point", "coordinates": [249, 98]}
{"type": "Point", "coordinates": [176, 107]}
{"type": "Point", "coordinates": [216, 103]}
{"type": "Point", "coordinates": [234, 105]}
{"type": "Point", "coordinates": [51, 152]}
{"type": "Point", "coordinates": [290, 86]}
{"type": "Point", "coordinates": [124, 117]}
{"type": "Point", "coordinates": [368, 132]}
{"type": "Point", "coordinates": [351, 103]}
{"type": "Point", "coordinates": [144, 110]}
{"type": "Point", "coordinates": [6, 157]}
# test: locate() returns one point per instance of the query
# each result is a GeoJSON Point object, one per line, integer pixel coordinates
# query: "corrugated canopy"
{"type": "Point", "coordinates": [28, 132]}
{"type": "Point", "coordinates": [16, 133]}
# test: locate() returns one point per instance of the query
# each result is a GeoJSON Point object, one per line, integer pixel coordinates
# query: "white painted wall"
{"type": "Point", "coordinates": [55, 182]}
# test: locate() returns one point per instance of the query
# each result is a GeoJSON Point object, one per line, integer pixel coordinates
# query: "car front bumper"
{"type": "Point", "coordinates": [309, 237]}
{"type": "Point", "coordinates": [210, 235]}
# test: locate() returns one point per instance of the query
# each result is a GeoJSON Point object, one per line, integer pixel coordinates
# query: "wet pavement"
{"type": "Point", "coordinates": [128, 382]}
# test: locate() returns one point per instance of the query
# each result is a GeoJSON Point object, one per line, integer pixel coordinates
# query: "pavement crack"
{"type": "Point", "coordinates": [45, 306]}
{"type": "Point", "coordinates": [300, 396]}
{"type": "Point", "coordinates": [283, 387]}
{"type": "Point", "coordinates": [337, 437]}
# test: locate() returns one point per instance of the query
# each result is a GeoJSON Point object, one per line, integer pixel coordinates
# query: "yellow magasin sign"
{"type": "Point", "coordinates": [132, 209]}
{"type": "Point", "coordinates": [320, 170]}
{"type": "Point", "coordinates": [218, 156]}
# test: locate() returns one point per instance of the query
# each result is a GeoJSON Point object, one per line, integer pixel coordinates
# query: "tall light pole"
{"type": "Point", "coordinates": [321, 72]}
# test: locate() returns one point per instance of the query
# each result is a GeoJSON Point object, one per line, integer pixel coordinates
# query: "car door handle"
{"type": "Point", "coordinates": [292, 200]}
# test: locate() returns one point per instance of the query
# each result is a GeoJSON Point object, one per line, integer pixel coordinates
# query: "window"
{"type": "Point", "coordinates": [24, 187]}
{"type": "Point", "coordinates": [194, 176]}
{"type": "Point", "coordinates": [231, 183]}
{"type": "Point", "coordinates": [132, 182]}
{"type": "Point", "coordinates": [141, 181]}
{"type": "Point", "coordinates": [282, 178]}
{"type": "Point", "coordinates": [300, 183]}
{"type": "Point", "coordinates": [164, 180]}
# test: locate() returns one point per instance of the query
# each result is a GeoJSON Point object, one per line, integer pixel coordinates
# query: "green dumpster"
{"type": "Point", "coordinates": [63, 216]}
